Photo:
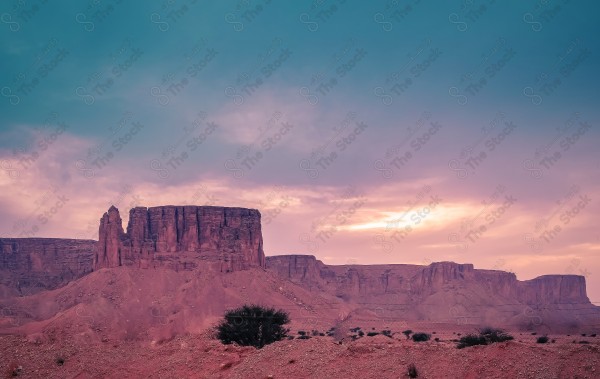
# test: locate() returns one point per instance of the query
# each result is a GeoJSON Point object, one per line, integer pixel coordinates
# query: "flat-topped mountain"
{"type": "Point", "coordinates": [446, 292]}
{"type": "Point", "coordinates": [189, 244]}
{"type": "Point", "coordinates": [178, 237]}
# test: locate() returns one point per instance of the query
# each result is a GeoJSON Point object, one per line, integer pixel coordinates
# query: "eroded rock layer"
{"type": "Point", "coordinates": [446, 292]}
{"type": "Point", "coordinates": [29, 265]}
{"type": "Point", "coordinates": [178, 237]}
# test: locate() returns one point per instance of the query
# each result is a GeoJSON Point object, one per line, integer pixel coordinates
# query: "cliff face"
{"type": "Point", "coordinates": [445, 292]}
{"type": "Point", "coordinates": [553, 289]}
{"type": "Point", "coordinates": [427, 280]}
{"type": "Point", "coordinates": [110, 236]}
{"type": "Point", "coordinates": [178, 237]}
{"type": "Point", "coordinates": [30, 265]}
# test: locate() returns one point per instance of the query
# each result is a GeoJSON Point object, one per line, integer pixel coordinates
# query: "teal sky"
{"type": "Point", "coordinates": [286, 105]}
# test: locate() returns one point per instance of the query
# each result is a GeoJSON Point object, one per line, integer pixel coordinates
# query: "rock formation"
{"type": "Point", "coordinates": [179, 237]}
{"type": "Point", "coordinates": [445, 292]}
{"type": "Point", "coordinates": [29, 265]}
{"type": "Point", "coordinates": [220, 239]}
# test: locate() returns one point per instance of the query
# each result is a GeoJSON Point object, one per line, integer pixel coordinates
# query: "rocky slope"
{"type": "Point", "coordinates": [199, 356]}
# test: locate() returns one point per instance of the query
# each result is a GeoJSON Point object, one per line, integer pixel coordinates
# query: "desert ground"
{"type": "Point", "coordinates": [202, 356]}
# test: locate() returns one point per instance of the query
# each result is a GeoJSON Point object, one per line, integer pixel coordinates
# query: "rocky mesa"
{"type": "Point", "coordinates": [225, 240]}
{"type": "Point", "coordinates": [446, 292]}
{"type": "Point", "coordinates": [178, 237]}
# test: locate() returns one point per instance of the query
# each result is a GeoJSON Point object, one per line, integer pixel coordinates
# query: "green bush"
{"type": "Point", "coordinates": [471, 340]}
{"type": "Point", "coordinates": [421, 337]}
{"type": "Point", "coordinates": [253, 325]}
{"type": "Point", "coordinates": [495, 335]}
{"type": "Point", "coordinates": [486, 336]}
{"type": "Point", "coordinates": [542, 339]}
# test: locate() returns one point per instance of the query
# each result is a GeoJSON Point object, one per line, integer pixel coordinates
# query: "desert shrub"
{"type": "Point", "coordinates": [354, 330]}
{"type": "Point", "coordinates": [553, 341]}
{"type": "Point", "coordinates": [412, 371]}
{"type": "Point", "coordinates": [471, 340]}
{"type": "Point", "coordinates": [290, 337]}
{"type": "Point", "coordinates": [486, 336]}
{"type": "Point", "coordinates": [583, 334]}
{"type": "Point", "coordinates": [407, 333]}
{"type": "Point", "coordinates": [583, 341]}
{"type": "Point", "coordinates": [315, 333]}
{"type": "Point", "coordinates": [436, 339]}
{"type": "Point", "coordinates": [495, 335]}
{"type": "Point", "coordinates": [301, 332]}
{"type": "Point", "coordinates": [361, 333]}
{"type": "Point", "coordinates": [542, 339]}
{"type": "Point", "coordinates": [59, 361]}
{"type": "Point", "coordinates": [593, 335]}
{"type": "Point", "coordinates": [322, 334]}
{"type": "Point", "coordinates": [533, 334]}
{"type": "Point", "coordinates": [420, 337]}
{"type": "Point", "coordinates": [253, 325]}
{"type": "Point", "coordinates": [387, 333]}
{"type": "Point", "coordinates": [371, 334]}
{"type": "Point", "coordinates": [304, 337]}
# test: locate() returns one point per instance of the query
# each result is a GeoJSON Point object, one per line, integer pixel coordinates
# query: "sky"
{"type": "Point", "coordinates": [364, 132]}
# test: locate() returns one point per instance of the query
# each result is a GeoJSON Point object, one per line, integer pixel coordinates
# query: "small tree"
{"type": "Point", "coordinates": [407, 333]}
{"type": "Point", "coordinates": [253, 325]}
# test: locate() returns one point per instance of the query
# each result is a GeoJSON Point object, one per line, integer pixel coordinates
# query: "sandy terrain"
{"type": "Point", "coordinates": [200, 356]}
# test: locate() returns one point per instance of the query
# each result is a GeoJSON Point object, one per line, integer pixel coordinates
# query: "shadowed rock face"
{"type": "Point", "coordinates": [446, 292]}
{"type": "Point", "coordinates": [178, 237]}
{"type": "Point", "coordinates": [426, 280]}
{"type": "Point", "coordinates": [30, 265]}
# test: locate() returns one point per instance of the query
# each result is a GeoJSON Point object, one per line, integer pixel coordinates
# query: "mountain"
{"type": "Point", "coordinates": [176, 269]}
{"type": "Point", "coordinates": [178, 237]}
{"type": "Point", "coordinates": [447, 292]}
